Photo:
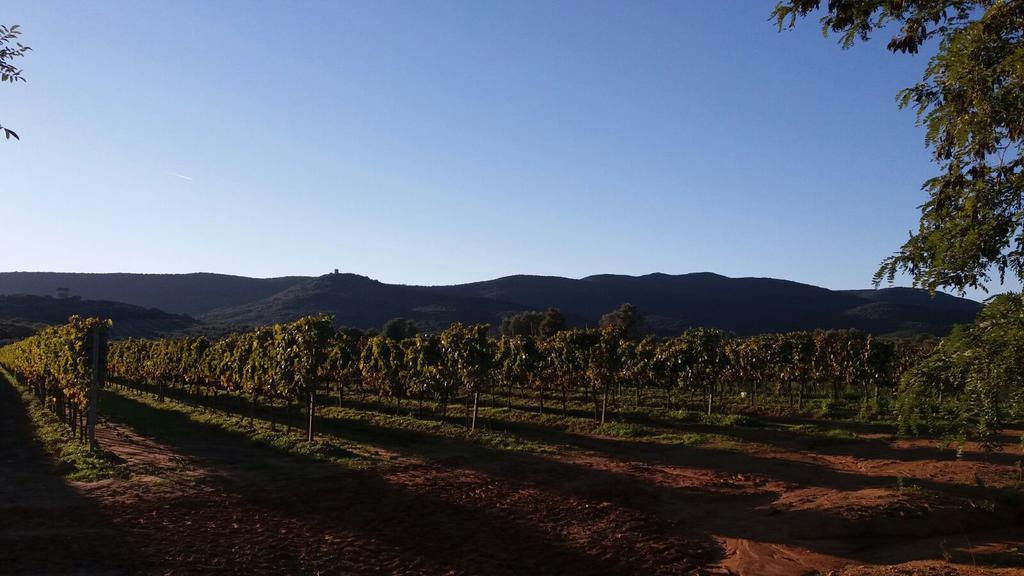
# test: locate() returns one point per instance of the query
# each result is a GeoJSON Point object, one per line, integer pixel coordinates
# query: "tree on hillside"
{"type": "Point", "coordinates": [553, 323]}
{"type": "Point", "coordinates": [626, 320]}
{"type": "Point", "coordinates": [10, 50]}
{"type": "Point", "coordinates": [534, 324]}
{"type": "Point", "coordinates": [522, 324]}
{"type": "Point", "coordinates": [971, 101]}
{"type": "Point", "coordinates": [399, 329]}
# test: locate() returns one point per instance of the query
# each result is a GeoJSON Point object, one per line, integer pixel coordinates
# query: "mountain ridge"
{"type": "Point", "coordinates": [670, 302]}
{"type": "Point", "coordinates": [24, 313]}
{"type": "Point", "coordinates": [192, 293]}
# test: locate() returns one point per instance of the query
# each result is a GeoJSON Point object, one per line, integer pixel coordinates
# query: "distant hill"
{"type": "Point", "coordinates": [21, 314]}
{"type": "Point", "coordinates": [191, 294]}
{"type": "Point", "coordinates": [361, 302]}
{"type": "Point", "coordinates": [916, 297]}
{"type": "Point", "coordinates": [671, 303]}
{"type": "Point", "coordinates": [10, 331]}
{"type": "Point", "coordinates": [744, 306]}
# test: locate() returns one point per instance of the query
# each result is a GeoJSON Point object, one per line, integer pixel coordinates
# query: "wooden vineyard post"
{"type": "Point", "coordinates": [476, 409]}
{"type": "Point", "coordinates": [94, 388]}
{"type": "Point", "coordinates": [311, 411]}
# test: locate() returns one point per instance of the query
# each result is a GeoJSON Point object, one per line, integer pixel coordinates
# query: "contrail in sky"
{"type": "Point", "coordinates": [182, 176]}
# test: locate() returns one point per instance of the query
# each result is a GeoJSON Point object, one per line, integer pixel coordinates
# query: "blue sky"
{"type": "Point", "coordinates": [443, 142]}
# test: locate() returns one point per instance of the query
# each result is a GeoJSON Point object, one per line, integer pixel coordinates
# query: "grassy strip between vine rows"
{"type": "Point", "coordinates": [71, 456]}
{"type": "Point", "coordinates": [332, 445]}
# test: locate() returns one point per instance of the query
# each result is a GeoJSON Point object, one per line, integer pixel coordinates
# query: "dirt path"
{"type": "Point", "coordinates": [775, 511]}
{"type": "Point", "coordinates": [219, 504]}
{"type": "Point", "coordinates": [410, 518]}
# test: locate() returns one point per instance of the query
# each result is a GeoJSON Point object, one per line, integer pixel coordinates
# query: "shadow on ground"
{"type": "Point", "coordinates": [46, 525]}
{"type": "Point", "coordinates": [470, 506]}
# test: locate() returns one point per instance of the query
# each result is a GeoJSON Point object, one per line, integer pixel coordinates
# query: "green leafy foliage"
{"type": "Point", "coordinates": [534, 324]}
{"type": "Point", "coordinates": [61, 364]}
{"type": "Point", "coordinates": [626, 321]}
{"type": "Point", "coordinates": [399, 329]}
{"type": "Point", "coordinates": [600, 368]}
{"type": "Point", "coordinates": [57, 362]}
{"type": "Point", "coordinates": [972, 383]}
{"type": "Point", "coordinates": [10, 50]}
{"type": "Point", "coordinates": [971, 103]}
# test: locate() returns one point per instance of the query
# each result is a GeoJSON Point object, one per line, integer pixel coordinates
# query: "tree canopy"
{"type": "Point", "coordinates": [522, 324]}
{"type": "Point", "coordinates": [971, 103]}
{"type": "Point", "coordinates": [538, 324]}
{"type": "Point", "coordinates": [10, 50]}
{"type": "Point", "coordinates": [974, 379]}
{"type": "Point", "coordinates": [399, 329]}
{"type": "Point", "coordinates": [626, 320]}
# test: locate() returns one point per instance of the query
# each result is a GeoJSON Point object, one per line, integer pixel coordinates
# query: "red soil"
{"type": "Point", "coordinates": [605, 507]}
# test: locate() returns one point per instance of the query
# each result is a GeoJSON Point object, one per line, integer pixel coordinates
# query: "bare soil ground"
{"type": "Point", "coordinates": [764, 506]}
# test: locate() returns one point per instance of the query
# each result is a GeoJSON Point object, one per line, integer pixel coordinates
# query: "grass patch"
{"type": "Point", "coordinates": [691, 439]}
{"type": "Point", "coordinates": [559, 423]}
{"type": "Point", "coordinates": [344, 436]}
{"type": "Point", "coordinates": [546, 423]}
{"type": "Point", "coordinates": [906, 487]}
{"type": "Point", "coordinates": [625, 430]}
{"type": "Point", "coordinates": [369, 428]}
{"type": "Point", "coordinates": [818, 436]}
{"type": "Point", "coordinates": [72, 457]}
{"type": "Point", "coordinates": [176, 422]}
{"type": "Point", "coordinates": [486, 435]}
{"type": "Point", "coordinates": [728, 420]}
